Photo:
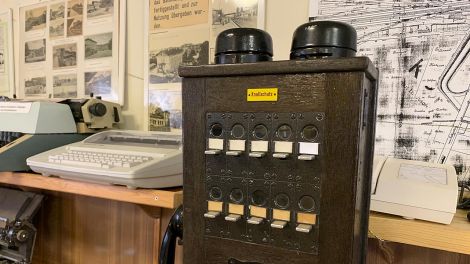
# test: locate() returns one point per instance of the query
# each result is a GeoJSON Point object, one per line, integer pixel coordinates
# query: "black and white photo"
{"type": "Point", "coordinates": [98, 83]}
{"type": "Point", "coordinates": [75, 8]}
{"type": "Point", "coordinates": [35, 19]}
{"type": "Point", "coordinates": [35, 86]}
{"type": "Point", "coordinates": [100, 8]}
{"type": "Point", "coordinates": [165, 112]}
{"type": "Point", "coordinates": [99, 46]}
{"type": "Point", "coordinates": [74, 26]}
{"type": "Point", "coordinates": [56, 28]}
{"type": "Point", "coordinates": [35, 51]}
{"type": "Point", "coordinates": [64, 56]}
{"type": "Point", "coordinates": [65, 86]}
{"type": "Point", "coordinates": [57, 11]}
{"type": "Point", "coordinates": [74, 18]}
{"type": "Point", "coordinates": [168, 51]}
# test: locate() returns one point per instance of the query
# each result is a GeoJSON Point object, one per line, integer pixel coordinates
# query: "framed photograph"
{"type": "Point", "coordinates": [7, 68]}
{"type": "Point", "coordinates": [65, 85]}
{"type": "Point", "coordinates": [75, 47]}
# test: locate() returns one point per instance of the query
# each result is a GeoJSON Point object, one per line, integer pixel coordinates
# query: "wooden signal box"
{"type": "Point", "coordinates": [278, 161]}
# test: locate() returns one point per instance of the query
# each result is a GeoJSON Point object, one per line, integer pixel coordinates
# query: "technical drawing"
{"type": "Point", "coordinates": [422, 49]}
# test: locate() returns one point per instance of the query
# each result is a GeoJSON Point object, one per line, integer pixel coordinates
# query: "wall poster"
{"type": "Point", "coordinates": [422, 51]}
{"type": "Point", "coordinates": [72, 49]}
{"type": "Point", "coordinates": [7, 69]}
{"type": "Point", "coordinates": [182, 33]}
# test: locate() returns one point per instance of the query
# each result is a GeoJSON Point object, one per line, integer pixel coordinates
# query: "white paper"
{"type": "Point", "coordinates": [423, 174]}
{"type": "Point", "coordinates": [11, 107]}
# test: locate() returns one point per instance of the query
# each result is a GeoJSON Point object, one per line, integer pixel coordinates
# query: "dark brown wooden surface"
{"type": "Point", "coordinates": [396, 253]}
{"type": "Point", "coordinates": [339, 95]}
{"type": "Point", "coordinates": [75, 229]}
{"type": "Point", "coordinates": [362, 64]}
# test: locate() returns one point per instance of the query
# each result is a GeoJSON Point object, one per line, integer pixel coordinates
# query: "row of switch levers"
{"type": "Point", "coordinates": [259, 148]}
{"type": "Point", "coordinates": [280, 218]}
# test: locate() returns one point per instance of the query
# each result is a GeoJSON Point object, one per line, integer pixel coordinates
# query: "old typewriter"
{"type": "Point", "coordinates": [31, 127]}
{"type": "Point", "coordinates": [17, 232]}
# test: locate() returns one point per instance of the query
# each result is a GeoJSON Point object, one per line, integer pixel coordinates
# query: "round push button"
{"type": "Point", "coordinates": [282, 200]}
{"type": "Point", "coordinates": [216, 130]}
{"type": "Point", "coordinates": [260, 132]}
{"type": "Point", "coordinates": [259, 198]}
{"type": "Point", "coordinates": [307, 203]}
{"type": "Point", "coordinates": [236, 196]}
{"type": "Point", "coordinates": [284, 132]}
{"type": "Point", "coordinates": [309, 132]}
{"type": "Point", "coordinates": [238, 131]}
{"type": "Point", "coordinates": [215, 193]}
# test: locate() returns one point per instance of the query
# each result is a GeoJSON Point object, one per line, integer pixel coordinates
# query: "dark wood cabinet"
{"type": "Point", "coordinates": [300, 165]}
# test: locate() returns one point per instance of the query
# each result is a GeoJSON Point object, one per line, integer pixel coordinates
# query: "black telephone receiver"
{"type": "Point", "coordinates": [173, 232]}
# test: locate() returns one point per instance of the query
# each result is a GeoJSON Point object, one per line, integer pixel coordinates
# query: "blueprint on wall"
{"type": "Point", "coordinates": [422, 49]}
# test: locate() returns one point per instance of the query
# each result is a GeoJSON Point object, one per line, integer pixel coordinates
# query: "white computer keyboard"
{"type": "Point", "coordinates": [132, 158]}
{"type": "Point", "coordinates": [98, 159]}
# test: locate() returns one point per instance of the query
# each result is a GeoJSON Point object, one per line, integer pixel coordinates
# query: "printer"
{"type": "Point", "coordinates": [414, 189]}
{"type": "Point", "coordinates": [31, 127]}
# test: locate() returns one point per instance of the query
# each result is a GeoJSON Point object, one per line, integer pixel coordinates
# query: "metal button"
{"type": "Point", "coordinates": [212, 152]}
{"type": "Point", "coordinates": [281, 155]}
{"type": "Point", "coordinates": [303, 228]}
{"type": "Point", "coordinates": [233, 217]}
{"type": "Point", "coordinates": [211, 214]}
{"type": "Point", "coordinates": [257, 154]}
{"type": "Point", "coordinates": [306, 157]}
{"type": "Point", "coordinates": [233, 153]}
{"type": "Point", "coordinates": [255, 220]}
{"type": "Point", "coordinates": [278, 224]}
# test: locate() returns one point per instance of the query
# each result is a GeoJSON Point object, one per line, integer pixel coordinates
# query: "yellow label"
{"type": "Point", "coordinates": [261, 95]}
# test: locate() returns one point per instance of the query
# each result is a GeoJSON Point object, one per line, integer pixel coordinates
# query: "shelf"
{"type": "Point", "coordinates": [168, 198]}
{"type": "Point", "coordinates": [454, 237]}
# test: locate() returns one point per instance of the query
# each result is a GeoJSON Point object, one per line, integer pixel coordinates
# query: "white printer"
{"type": "Point", "coordinates": [414, 189]}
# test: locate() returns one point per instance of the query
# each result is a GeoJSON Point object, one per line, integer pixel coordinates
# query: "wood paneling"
{"type": "Point", "coordinates": [74, 229]}
{"type": "Point", "coordinates": [396, 253]}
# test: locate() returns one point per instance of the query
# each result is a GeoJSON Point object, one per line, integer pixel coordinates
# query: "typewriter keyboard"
{"type": "Point", "coordinates": [8, 137]}
{"type": "Point", "coordinates": [98, 159]}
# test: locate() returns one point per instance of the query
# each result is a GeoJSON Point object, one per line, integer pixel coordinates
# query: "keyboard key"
{"type": "Point", "coordinates": [79, 163]}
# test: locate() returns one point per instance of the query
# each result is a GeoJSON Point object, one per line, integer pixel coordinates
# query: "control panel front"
{"type": "Point", "coordinates": [263, 174]}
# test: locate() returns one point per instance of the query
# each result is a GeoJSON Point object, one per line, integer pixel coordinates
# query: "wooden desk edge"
{"type": "Point", "coordinates": [170, 198]}
{"type": "Point", "coordinates": [454, 237]}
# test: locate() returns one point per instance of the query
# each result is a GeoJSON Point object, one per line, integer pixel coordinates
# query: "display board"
{"type": "Point", "coordinates": [183, 33]}
{"type": "Point", "coordinates": [422, 50]}
{"type": "Point", "coordinates": [7, 68]}
{"type": "Point", "coordinates": [72, 49]}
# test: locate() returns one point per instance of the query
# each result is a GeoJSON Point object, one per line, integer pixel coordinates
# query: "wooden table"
{"type": "Point", "coordinates": [394, 239]}
{"type": "Point", "coordinates": [92, 223]}
{"type": "Point", "coordinates": [453, 238]}
{"type": "Point", "coordinates": [170, 198]}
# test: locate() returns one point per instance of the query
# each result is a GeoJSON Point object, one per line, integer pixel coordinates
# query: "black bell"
{"type": "Point", "coordinates": [323, 39]}
{"type": "Point", "coordinates": [243, 45]}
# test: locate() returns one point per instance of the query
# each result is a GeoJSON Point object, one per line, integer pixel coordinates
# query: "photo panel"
{"type": "Point", "coordinates": [76, 43]}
